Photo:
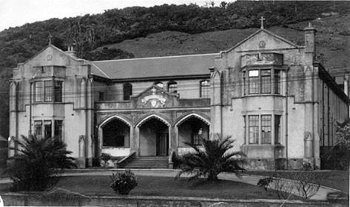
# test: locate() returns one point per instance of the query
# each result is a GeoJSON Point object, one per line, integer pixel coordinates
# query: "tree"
{"type": "Point", "coordinates": [37, 162]}
{"type": "Point", "coordinates": [211, 158]}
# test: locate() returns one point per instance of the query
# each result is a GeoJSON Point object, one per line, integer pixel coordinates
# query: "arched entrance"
{"type": "Point", "coordinates": [154, 137]}
{"type": "Point", "coordinates": [191, 129]}
{"type": "Point", "coordinates": [115, 135]}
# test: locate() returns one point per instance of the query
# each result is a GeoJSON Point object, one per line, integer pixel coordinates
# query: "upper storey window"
{"type": "Point", "coordinates": [261, 81]}
{"type": "Point", "coordinates": [204, 90]}
{"type": "Point", "coordinates": [48, 91]}
{"type": "Point", "coordinates": [127, 91]}
{"type": "Point", "coordinates": [172, 87]}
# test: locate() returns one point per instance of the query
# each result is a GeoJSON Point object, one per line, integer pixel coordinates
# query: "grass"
{"type": "Point", "coordinates": [163, 186]}
{"type": "Point", "coordinates": [336, 179]}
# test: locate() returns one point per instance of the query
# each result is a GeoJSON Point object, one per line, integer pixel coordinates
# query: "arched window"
{"type": "Point", "coordinates": [172, 87]}
{"type": "Point", "coordinates": [204, 89]}
{"type": "Point", "coordinates": [159, 84]}
{"type": "Point", "coordinates": [127, 91]}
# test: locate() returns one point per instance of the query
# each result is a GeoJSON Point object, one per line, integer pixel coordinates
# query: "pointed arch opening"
{"type": "Point", "coordinates": [191, 129]}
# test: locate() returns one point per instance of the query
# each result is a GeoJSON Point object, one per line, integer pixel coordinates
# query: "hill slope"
{"type": "Point", "coordinates": [332, 41]}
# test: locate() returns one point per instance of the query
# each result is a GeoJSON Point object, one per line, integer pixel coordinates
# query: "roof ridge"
{"type": "Point", "coordinates": [162, 57]}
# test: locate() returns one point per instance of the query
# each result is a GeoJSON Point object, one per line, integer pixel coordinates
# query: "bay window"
{"type": "Point", "coordinates": [261, 81]}
{"type": "Point", "coordinates": [260, 129]}
{"type": "Point", "coordinates": [48, 91]}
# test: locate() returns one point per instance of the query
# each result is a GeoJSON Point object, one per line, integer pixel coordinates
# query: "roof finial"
{"type": "Point", "coordinates": [262, 22]}
{"type": "Point", "coordinates": [50, 38]}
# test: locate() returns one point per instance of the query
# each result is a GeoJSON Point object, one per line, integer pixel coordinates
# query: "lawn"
{"type": "Point", "coordinates": [164, 186]}
{"type": "Point", "coordinates": [335, 179]}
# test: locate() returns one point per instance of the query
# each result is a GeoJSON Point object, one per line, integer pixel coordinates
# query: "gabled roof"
{"type": "Point", "coordinates": [55, 48]}
{"type": "Point", "coordinates": [268, 32]}
{"type": "Point", "coordinates": [184, 65]}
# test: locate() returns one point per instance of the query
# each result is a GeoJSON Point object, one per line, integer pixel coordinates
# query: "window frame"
{"type": "Point", "coordinates": [204, 89]}
{"type": "Point", "coordinates": [171, 86]}
{"type": "Point", "coordinates": [47, 91]}
{"type": "Point", "coordinates": [270, 87]}
{"type": "Point", "coordinates": [127, 91]}
{"type": "Point", "coordinates": [274, 128]}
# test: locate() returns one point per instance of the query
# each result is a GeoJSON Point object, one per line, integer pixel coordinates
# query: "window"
{"type": "Point", "coordinates": [277, 129]}
{"type": "Point", "coordinates": [277, 79]}
{"type": "Point", "coordinates": [172, 87]}
{"type": "Point", "coordinates": [44, 128]}
{"type": "Point", "coordinates": [127, 91]}
{"type": "Point", "coordinates": [37, 128]}
{"type": "Point", "coordinates": [244, 128]}
{"type": "Point", "coordinates": [253, 129]}
{"type": "Point", "coordinates": [38, 91]}
{"type": "Point", "coordinates": [58, 129]}
{"type": "Point", "coordinates": [48, 91]}
{"type": "Point", "coordinates": [261, 82]}
{"type": "Point", "coordinates": [58, 91]}
{"type": "Point", "coordinates": [47, 128]}
{"type": "Point", "coordinates": [205, 89]}
{"type": "Point", "coordinates": [254, 82]}
{"type": "Point", "coordinates": [260, 129]}
{"type": "Point", "coordinates": [266, 129]}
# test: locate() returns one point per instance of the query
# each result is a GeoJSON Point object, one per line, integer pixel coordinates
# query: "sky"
{"type": "Point", "coordinates": [18, 12]}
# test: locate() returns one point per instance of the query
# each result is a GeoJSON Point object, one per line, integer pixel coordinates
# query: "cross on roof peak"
{"type": "Point", "coordinates": [262, 22]}
{"type": "Point", "coordinates": [50, 38]}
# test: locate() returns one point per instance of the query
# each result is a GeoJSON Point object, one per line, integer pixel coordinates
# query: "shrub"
{"type": "Point", "coordinates": [37, 162]}
{"type": "Point", "coordinates": [303, 183]}
{"type": "Point", "coordinates": [104, 158]}
{"type": "Point", "coordinates": [123, 182]}
{"type": "Point", "coordinates": [211, 158]}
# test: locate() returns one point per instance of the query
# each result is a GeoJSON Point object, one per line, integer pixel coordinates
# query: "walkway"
{"type": "Point", "coordinates": [249, 179]}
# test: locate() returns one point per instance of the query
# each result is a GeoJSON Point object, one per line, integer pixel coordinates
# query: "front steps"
{"type": "Point", "coordinates": [148, 163]}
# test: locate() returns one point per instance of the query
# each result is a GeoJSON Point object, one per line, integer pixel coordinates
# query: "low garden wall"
{"type": "Point", "coordinates": [68, 199]}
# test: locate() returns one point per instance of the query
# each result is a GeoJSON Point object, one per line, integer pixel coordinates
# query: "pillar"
{"type": "Point", "coordinates": [216, 103]}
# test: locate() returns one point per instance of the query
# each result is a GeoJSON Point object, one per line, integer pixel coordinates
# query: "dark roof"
{"type": "Point", "coordinates": [185, 65]}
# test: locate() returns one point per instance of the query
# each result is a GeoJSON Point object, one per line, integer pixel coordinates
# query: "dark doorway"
{"type": "Point", "coordinates": [154, 138]}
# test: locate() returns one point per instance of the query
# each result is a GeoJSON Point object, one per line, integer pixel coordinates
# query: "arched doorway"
{"type": "Point", "coordinates": [115, 137]}
{"type": "Point", "coordinates": [154, 137]}
{"type": "Point", "coordinates": [191, 130]}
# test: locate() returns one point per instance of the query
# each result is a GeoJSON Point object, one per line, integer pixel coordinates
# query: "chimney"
{"type": "Point", "coordinates": [310, 32]}
{"type": "Point", "coordinates": [70, 51]}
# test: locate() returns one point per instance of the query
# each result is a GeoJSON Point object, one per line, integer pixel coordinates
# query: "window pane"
{"type": "Point", "coordinates": [266, 129]}
{"type": "Point", "coordinates": [47, 128]}
{"type": "Point", "coordinates": [265, 81]}
{"type": "Point", "coordinates": [38, 91]}
{"type": "Point", "coordinates": [205, 89]}
{"type": "Point", "coordinates": [37, 128]}
{"type": "Point", "coordinates": [277, 129]}
{"type": "Point", "coordinates": [253, 73]}
{"type": "Point", "coordinates": [253, 129]}
{"type": "Point", "coordinates": [58, 129]}
{"type": "Point", "coordinates": [244, 129]}
{"type": "Point", "coordinates": [127, 91]}
{"type": "Point", "coordinates": [253, 85]}
{"type": "Point", "coordinates": [277, 82]}
{"type": "Point", "coordinates": [58, 91]}
{"type": "Point", "coordinates": [48, 90]}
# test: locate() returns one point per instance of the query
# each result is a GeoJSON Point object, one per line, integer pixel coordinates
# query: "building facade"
{"type": "Point", "coordinates": [266, 92]}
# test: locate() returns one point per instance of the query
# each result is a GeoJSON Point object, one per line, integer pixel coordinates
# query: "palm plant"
{"type": "Point", "coordinates": [38, 161]}
{"type": "Point", "coordinates": [211, 158]}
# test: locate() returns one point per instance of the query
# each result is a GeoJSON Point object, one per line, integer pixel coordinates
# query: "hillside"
{"type": "Point", "coordinates": [332, 41]}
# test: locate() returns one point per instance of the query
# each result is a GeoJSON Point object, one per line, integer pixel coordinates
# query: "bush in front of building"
{"type": "Point", "coordinates": [211, 158]}
{"type": "Point", "coordinates": [38, 161]}
{"type": "Point", "coordinates": [338, 157]}
{"type": "Point", "coordinates": [123, 182]}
